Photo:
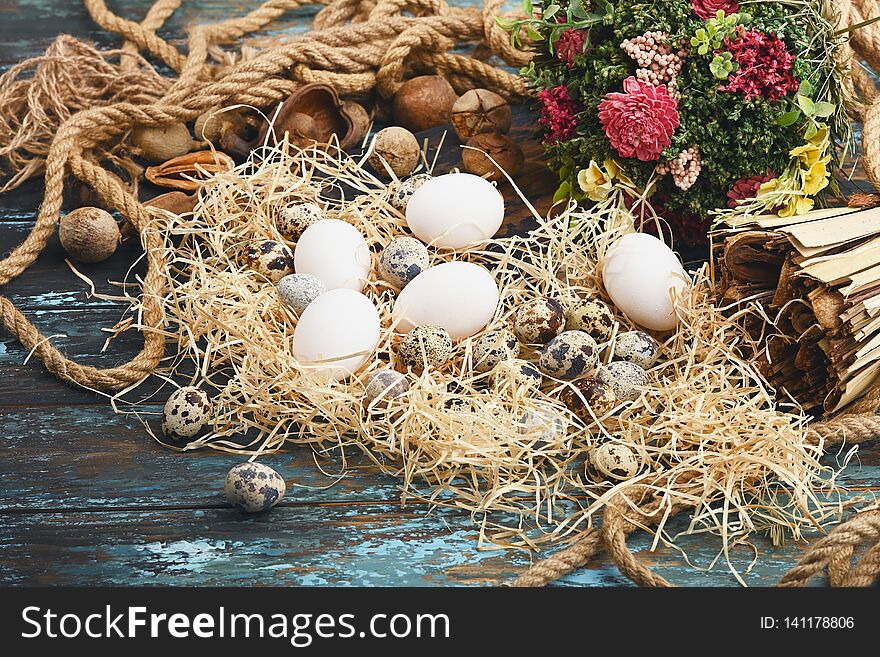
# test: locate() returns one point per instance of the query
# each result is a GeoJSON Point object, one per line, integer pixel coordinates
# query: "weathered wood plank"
{"type": "Point", "coordinates": [348, 545]}
{"type": "Point", "coordinates": [85, 457]}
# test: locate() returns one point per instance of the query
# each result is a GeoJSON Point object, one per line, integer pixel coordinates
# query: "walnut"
{"type": "Point", "coordinates": [395, 148]}
{"type": "Point", "coordinates": [507, 154]}
{"type": "Point", "coordinates": [479, 111]}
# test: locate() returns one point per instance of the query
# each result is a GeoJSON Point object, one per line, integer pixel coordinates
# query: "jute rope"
{"type": "Point", "coordinates": [362, 46]}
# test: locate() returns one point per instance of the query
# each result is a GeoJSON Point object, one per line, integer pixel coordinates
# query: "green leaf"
{"type": "Point", "coordinates": [550, 12]}
{"type": "Point", "coordinates": [825, 109]}
{"type": "Point", "coordinates": [563, 192]}
{"type": "Point", "coordinates": [812, 129]}
{"type": "Point", "coordinates": [807, 106]}
{"type": "Point", "coordinates": [805, 89]}
{"type": "Point", "coordinates": [577, 10]}
{"type": "Point", "coordinates": [789, 118]}
{"type": "Point", "coordinates": [527, 7]}
{"type": "Point", "coordinates": [533, 34]}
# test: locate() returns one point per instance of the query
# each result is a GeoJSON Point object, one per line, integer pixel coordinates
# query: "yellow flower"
{"type": "Point", "coordinates": [595, 182]}
{"type": "Point", "coordinates": [809, 154]}
{"type": "Point", "coordinates": [769, 186]}
{"type": "Point", "coordinates": [820, 137]}
{"type": "Point", "coordinates": [614, 170]}
{"type": "Point", "coordinates": [816, 178]}
{"type": "Point", "coordinates": [797, 205]}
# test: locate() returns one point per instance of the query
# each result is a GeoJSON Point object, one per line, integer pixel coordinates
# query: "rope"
{"type": "Point", "coordinates": [349, 50]}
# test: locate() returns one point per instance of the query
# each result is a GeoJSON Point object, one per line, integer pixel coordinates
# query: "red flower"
{"type": "Point", "coordinates": [559, 114]}
{"type": "Point", "coordinates": [569, 45]}
{"type": "Point", "coordinates": [706, 9]}
{"type": "Point", "coordinates": [640, 121]}
{"type": "Point", "coordinates": [746, 188]}
{"type": "Point", "coordinates": [764, 66]}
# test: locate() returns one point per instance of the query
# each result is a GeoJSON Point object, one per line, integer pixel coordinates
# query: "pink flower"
{"type": "Point", "coordinates": [559, 113]}
{"type": "Point", "coordinates": [640, 121]}
{"type": "Point", "coordinates": [569, 45]}
{"type": "Point", "coordinates": [764, 66]}
{"type": "Point", "coordinates": [706, 9]}
{"type": "Point", "coordinates": [746, 188]}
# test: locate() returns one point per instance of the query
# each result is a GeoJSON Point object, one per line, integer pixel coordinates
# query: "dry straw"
{"type": "Point", "coordinates": [707, 421]}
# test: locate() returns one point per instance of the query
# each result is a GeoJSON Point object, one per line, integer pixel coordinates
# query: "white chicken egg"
{"type": "Point", "coordinates": [641, 274]}
{"type": "Point", "coordinates": [337, 333]}
{"type": "Point", "coordinates": [461, 297]}
{"type": "Point", "coordinates": [335, 252]}
{"type": "Point", "coordinates": [455, 211]}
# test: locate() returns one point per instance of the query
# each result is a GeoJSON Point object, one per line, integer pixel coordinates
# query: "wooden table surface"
{"type": "Point", "coordinates": [87, 498]}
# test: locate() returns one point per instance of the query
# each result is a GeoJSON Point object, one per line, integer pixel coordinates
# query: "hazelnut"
{"type": "Point", "coordinates": [397, 149]}
{"type": "Point", "coordinates": [500, 148]}
{"type": "Point", "coordinates": [89, 234]}
{"type": "Point", "coordinates": [479, 111]}
{"type": "Point", "coordinates": [424, 102]}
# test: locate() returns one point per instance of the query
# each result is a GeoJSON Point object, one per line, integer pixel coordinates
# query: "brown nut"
{"type": "Point", "coordinates": [479, 111]}
{"type": "Point", "coordinates": [360, 124]}
{"type": "Point", "coordinates": [424, 102]}
{"type": "Point", "coordinates": [500, 148]}
{"type": "Point", "coordinates": [89, 234]}
{"type": "Point", "coordinates": [396, 147]}
{"type": "Point", "coordinates": [161, 143]}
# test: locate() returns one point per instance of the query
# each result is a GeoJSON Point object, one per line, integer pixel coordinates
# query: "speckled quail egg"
{"type": "Point", "coordinates": [569, 355]}
{"type": "Point", "coordinates": [615, 461]}
{"type": "Point", "coordinates": [545, 424]}
{"type": "Point", "coordinates": [625, 378]}
{"type": "Point", "coordinates": [516, 372]}
{"type": "Point", "coordinates": [385, 385]}
{"type": "Point", "coordinates": [186, 413]}
{"type": "Point", "coordinates": [404, 190]}
{"type": "Point", "coordinates": [458, 405]}
{"type": "Point", "coordinates": [637, 347]}
{"type": "Point", "coordinates": [254, 487]}
{"type": "Point", "coordinates": [298, 290]}
{"type": "Point", "coordinates": [588, 394]}
{"type": "Point", "coordinates": [270, 259]}
{"type": "Point", "coordinates": [590, 316]}
{"type": "Point", "coordinates": [294, 219]}
{"type": "Point", "coordinates": [402, 260]}
{"type": "Point", "coordinates": [590, 471]}
{"type": "Point", "coordinates": [427, 345]}
{"type": "Point", "coordinates": [494, 347]}
{"type": "Point", "coordinates": [539, 321]}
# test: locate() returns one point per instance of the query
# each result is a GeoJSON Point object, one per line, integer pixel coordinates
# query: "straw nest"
{"type": "Point", "coordinates": [706, 429]}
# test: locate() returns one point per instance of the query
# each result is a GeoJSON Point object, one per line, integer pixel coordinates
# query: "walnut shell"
{"type": "Point", "coordinates": [479, 111]}
{"type": "Point", "coordinates": [312, 113]}
{"type": "Point", "coordinates": [424, 102]}
{"type": "Point", "coordinates": [500, 148]}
